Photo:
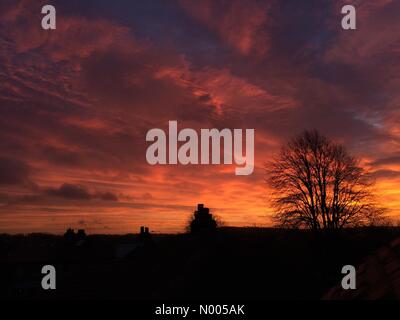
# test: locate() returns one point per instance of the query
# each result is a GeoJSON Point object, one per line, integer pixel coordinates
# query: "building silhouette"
{"type": "Point", "coordinates": [144, 234]}
{"type": "Point", "coordinates": [203, 221]}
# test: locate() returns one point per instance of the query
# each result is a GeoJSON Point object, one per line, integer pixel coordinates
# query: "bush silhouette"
{"type": "Point", "coordinates": [202, 221]}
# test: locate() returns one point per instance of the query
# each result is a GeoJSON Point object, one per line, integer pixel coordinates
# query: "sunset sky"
{"type": "Point", "coordinates": [76, 103]}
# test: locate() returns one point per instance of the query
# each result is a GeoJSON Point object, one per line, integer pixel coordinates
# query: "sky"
{"type": "Point", "coordinates": [76, 104]}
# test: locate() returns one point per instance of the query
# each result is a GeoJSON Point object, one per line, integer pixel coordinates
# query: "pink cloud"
{"type": "Point", "coordinates": [241, 25]}
{"type": "Point", "coordinates": [75, 37]}
{"type": "Point", "coordinates": [377, 33]}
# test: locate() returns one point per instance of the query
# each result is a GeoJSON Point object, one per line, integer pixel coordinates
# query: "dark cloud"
{"type": "Point", "coordinates": [387, 161]}
{"type": "Point", "coordinates": [387, 174]}
{"type": "Point", "coordinates": [13, 171]}
{"type": "Point", "coordinates": [70, 191]}
{"type": "Point", "coordinates": [107, 196]}
{"type": "Point", "coordinates": [62, 157]}
{"type": "Point", "coordinates": [79, 192]}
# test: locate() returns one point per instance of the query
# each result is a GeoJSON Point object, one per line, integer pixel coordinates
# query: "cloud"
{"type": "Point", "coordinates": [395, 160]}
{"type": "Point", "coordinates": [70, 191]}
{"type": "Point", "coordinates": [376, 35]}
{"type": "Point", "coordinates": [106, 196]}
{"type": "Point", "coordinates": [79, 192]}
{"type": "Point", "coordinates": [13, 171]}
{"type": "Point", "coordinates": [241, 25]}
{"type": "Point", "coordinates": [385, 174]}
{"type": "Point", "coordinates": [74, 38]}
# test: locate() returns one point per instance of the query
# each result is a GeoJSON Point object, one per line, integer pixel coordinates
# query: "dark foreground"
{"type": "Point", "coordinates": [234, 263]}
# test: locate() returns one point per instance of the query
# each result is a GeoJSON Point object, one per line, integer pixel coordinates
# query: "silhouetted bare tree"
{"type": "Point", "coordinates": [316, 184]}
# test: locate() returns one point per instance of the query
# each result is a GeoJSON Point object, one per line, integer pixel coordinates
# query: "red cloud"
{"type": "Point", "coordinates": [75, 37]}
{"type": "Point", "coordinates": [240, 24]}
{"type": "Point", "coordinates": [377, 33]}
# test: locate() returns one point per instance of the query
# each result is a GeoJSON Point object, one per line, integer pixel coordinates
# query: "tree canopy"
{"type": "Point", "coordinates": [317, 184]}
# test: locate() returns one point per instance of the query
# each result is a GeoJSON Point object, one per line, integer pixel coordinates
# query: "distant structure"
{"type": "Point", "coordinates": [144, 234]}
{"type": "Point", "coordinates": [139, 245]}
{"type": "Point", "coordinates": [203, 220]}
{"type": "Point", "coordinates": [76, 238]}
